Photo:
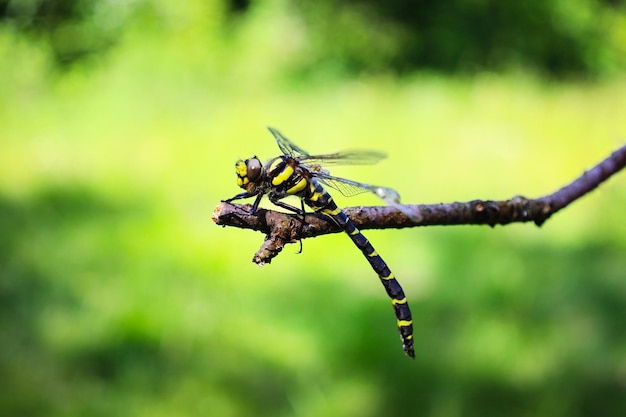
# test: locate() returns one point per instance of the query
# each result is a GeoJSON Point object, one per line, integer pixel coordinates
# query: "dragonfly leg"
{"type": "Point", "coordinates": [298, 211]}
{"type": "Point", "coordinates": [301, 225]}
{"type": "Point", "coordinates": [286, 206]}
{"type": "Point", "coordinates": [243, 195]}
{"type": "Point", "coordinates": [238, 197]}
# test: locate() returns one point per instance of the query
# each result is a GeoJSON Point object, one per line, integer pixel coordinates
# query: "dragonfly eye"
{"type": "Point", "coordinates": [248, 172]}
{"type": "Point", "coordinates": [254, 168]}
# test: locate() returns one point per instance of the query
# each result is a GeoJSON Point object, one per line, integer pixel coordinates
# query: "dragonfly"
{"type": "Point", "coordinates": [298, 173]}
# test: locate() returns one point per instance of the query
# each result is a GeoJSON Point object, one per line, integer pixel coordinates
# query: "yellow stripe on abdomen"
{"type": "Point", "coordinates": [330, 212]}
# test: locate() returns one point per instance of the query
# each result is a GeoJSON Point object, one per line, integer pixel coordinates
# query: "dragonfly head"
{"type": "Point", "coordinates": [249, 173]}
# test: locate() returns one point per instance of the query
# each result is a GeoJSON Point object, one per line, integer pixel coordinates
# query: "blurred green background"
{"type": "Point", "coordinates": [120, 122]}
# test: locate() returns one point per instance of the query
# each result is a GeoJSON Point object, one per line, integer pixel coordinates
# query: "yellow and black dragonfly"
{"type": "Point", "coordinates": [300, 174]}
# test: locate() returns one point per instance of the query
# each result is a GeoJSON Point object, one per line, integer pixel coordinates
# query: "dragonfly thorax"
{"type": "Point", "coordinates": [249, 173]}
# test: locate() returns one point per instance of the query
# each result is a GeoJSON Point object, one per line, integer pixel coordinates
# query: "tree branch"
{"type": "Point", "coordinates": [282, 228]}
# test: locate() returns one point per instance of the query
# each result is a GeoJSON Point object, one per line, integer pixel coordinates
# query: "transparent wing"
{"type": "Point", "coordinates": [352, 157]}
{"type": "Point", "coordinates": [346, 187]}
{"type": "Point", "coordinates": [351, 188]}
{"type": "Point", "coordinates": [286, 146]}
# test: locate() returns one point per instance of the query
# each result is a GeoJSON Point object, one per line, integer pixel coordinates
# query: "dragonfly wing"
{"type": "Point", "coordinates": [351, 188]}
{"type": "Point", "coordinates": [346, 187]}
{"type": "Point", "coordinates": [391, 197]}
{"type": "Point", "coordinates": [351, 157]}
{"type": "Point", "coordinates": [286, 146]}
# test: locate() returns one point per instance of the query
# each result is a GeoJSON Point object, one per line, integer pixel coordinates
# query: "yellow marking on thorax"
{"type": "Point", "coordinates": [274, 164]}
{"type": "Point", "coordinates": [283, 176]}
{"type": "Point", "coordinates": [301, 185]}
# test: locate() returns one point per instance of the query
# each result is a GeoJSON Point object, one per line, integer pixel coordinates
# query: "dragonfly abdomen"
{"type": "Point", "coordinates": [321, 201]}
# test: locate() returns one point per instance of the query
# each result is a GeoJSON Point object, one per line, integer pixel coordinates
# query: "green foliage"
{"type": "Point", "coordinates": [120, 296]}
{"type": "Point", "coordinates": [74, 30]}
{"type": "Point", "coordinates": [550, 37]}
{"type": "Point", "coordinates": [557, 38]}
